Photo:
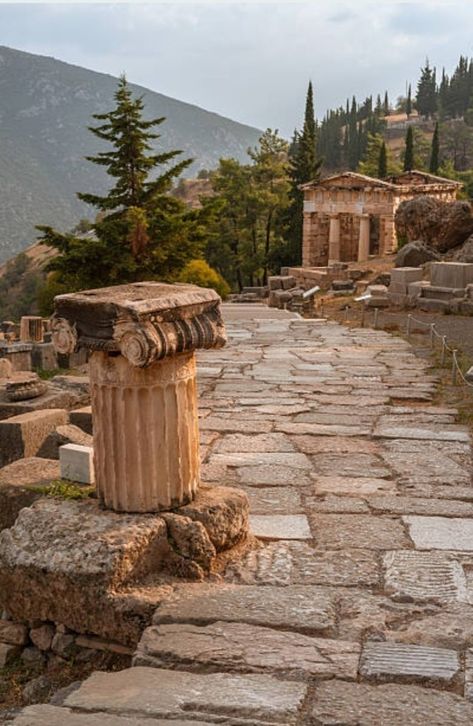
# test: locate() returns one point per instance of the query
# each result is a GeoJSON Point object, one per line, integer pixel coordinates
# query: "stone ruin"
{"type": "Point", "coordinates": [450, 288]}
{"type": "Point", "coordinates": [84, 563]}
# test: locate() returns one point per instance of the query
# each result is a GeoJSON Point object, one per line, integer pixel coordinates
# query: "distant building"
{"type": "Point", "coordinates": [350, 216]}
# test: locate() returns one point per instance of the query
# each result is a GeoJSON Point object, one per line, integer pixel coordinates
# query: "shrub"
{"type": "Point", "coordinates": [199, 272]}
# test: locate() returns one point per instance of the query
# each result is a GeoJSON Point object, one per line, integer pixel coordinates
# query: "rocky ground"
{"type": "Point", "coordinates": [356, 605]}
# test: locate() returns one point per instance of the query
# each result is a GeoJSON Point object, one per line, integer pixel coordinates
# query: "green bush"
{"type": "Point", "coordinates": [199, 272]}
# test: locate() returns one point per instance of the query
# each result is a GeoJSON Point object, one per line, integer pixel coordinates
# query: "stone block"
{"type": "Point", "coordinates": [243, 648]}
{"type": "Point", "coordinates": [391, 661]}
{"type": "Point", "coordinates": [82, 417]}
{"type": "Point", "coordinates": [13, 633]}
{"type": "Point", "coordinates": [8, 654]}
{"type": "Point", "coordinates": [274, 283]}
{"type": "Point", "coordinates": [376, 301]}
{"type": "Point", "coordinates": [63, 561]}
{"type": "Point", "coordinates": [148, 692]}
{"type": "Point", "coordinates": [73, 360]}
{"type": "Point", "coordinates": [77, 463]}
{"type": "Point", "coordinates": [53, 398]}
{"type": "Point", "coordinates": [19, 355]}
{"type": "Point", "coordinates": [398, 298]}
{"type": "Point", "coordinates": [31, 328]}
{"type": "Point", "coordinates": [424, 577]}
{"type": "Point", "coordinates": [42, 636]}
{"type": "Point", "coordinates": [223, 511]}
{"type": "Point", "coordinates": [305, 608]}
{"type": "Point", "coordinates": [393, 704]}
{"type": "Point", "coordinates": [451, 274]}
{"type": "Point", "coordinates": [280, 526]}
{"type": "Point", "coordinates": [62, 435]}
{"type": "Point", "coordinates": [6, 368]}
{"type": "Point", "coordinates": [405, 275]}
{"type": "Point", "coordinates": [47, 715]}
{"type": "Point", "coordinates": [19, 484]}
{"type": "Point", "coordinates": [43, 355]}
{"type": "Point", "coordinates": [22, 436]}
{"type": "Point", "coordinates": [441, 533]}
{"type": "Point", "coordinates": [414, 289]}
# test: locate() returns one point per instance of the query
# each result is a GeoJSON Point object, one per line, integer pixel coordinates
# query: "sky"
{"type": "Point", "coordinates": [250, 61]}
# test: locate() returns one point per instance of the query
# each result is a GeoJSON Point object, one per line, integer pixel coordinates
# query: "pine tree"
{"type": "Point", "coordinates": [382, 162]}
{"type": "Point", "coordinates": [409, 151]}
{"type": "Point", "coordinates": [435, 150]}
{"type": "Point", "coordinates": [409, 102]}
{"type": "Point", "coordinates": [304, 166]}
{"type": "Point", "coordinates": [141, 232]}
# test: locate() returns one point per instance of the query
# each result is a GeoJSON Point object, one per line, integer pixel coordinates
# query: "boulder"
{"type": "Point", "coordinates": [415, 254]}
{"type": "Point", "coordinates": [441, 225]}
{"type": "Point", "coordinates": [465, 252]}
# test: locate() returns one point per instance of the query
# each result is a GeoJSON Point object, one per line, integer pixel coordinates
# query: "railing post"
{"type": "Point", "coordinates": [454, 367]}
{"type": "Point", "coordinates": [444, 349]}
{"type": "Point", "coordinates": [408, 328]}
{"type": "Point", "coordinates": [375, 322]}
{"type": "Point", "coordinates": [432, 335]}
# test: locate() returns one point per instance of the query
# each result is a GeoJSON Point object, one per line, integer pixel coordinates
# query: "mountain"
{"type": "Point", "coordinates": [45, 108]}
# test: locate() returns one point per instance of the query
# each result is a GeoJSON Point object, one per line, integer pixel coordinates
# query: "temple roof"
{"type": "Point", "coordinates": [351, 179]}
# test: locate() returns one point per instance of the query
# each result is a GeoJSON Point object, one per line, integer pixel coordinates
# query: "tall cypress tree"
{"type": "Point", "coordinates": [304, 166]}
{"type": "Point", "coordinates": [426, 100]}
{"type": "Point", "coordinates": [435, 151]}
{"type": "Point", "coordinates": [409, 151]}
{"type": "Point", "coordinates": [409, 101]}
{"type": "Point", "coordinates": [386, 104]}
{"type": "Point", "coordinates": [382, 162]}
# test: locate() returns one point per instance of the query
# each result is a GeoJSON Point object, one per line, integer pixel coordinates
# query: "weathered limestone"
{"type": "Point", "coordinates": [149, 460]}
{"type": "Point", "coordinates": [31, 329]}
{"type": "Point", "coordinates": [22, 436]}
{"type": "Point", "coordinates": [77, 463]}
{"type": "Point", "coordinates": [20, 485]}
{"type": "Point", "coordinates": [334, 240]}
{"type": "Point", "coordinates": [364, 239]}
{"type": "Point", "coordinates": [255, 699]}
{"type": "Point", "coordinates": [391, 661]}
{"type": "Point", "coordinates": [19, 355]}
{"type": "Point", "coordinates": [24, 386]}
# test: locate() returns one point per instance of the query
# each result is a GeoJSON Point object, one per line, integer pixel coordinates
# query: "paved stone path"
{"type": "Point", "coordinates": [356, 606]}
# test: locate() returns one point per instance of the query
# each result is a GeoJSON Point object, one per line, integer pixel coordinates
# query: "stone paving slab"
{"type": "Point", "coordinates": [440, 533]}
{"type": "Point", "coordinates": [414, 662]}
{"type": "Point", "coordinates": [280, 526]}
{"type": "Point", "coordinates": [361, 531]}
{"type": "Point", "coordinates": [302, 608]}
{"type": "Point", "coordinates": [242, 648]}
{"type": "Point", "coordinates": [356, 486]}
{"type": "Point", "coordinates": [424, 576]}
{"type": "Point", "coordinates": [216, 697]}
{"type": "Point", "coordinates": [274, 500]}
{"type": "Point", "coordinates": [44, 715]}
{"type": "Point", "coordinates": [338, 703]}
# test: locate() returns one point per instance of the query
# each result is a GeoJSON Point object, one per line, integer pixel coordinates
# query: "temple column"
{"type": "Point", "coordinates": [142, 339]}
{"type": "Point", "coordinates": [364, 238]}
{"type": "Point", "coordinates": [389, 236]}
{"type": "Point", "coordinates": [334, 239]}
{"type": "Point", "coordinates": [31, 329]}
{"type": "Point", "coordinates": [146, 436]}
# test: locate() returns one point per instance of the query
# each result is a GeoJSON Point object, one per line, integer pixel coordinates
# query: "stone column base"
{"type": "Point", "coordinates": [72, 562]}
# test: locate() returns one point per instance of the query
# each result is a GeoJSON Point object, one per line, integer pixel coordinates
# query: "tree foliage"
{"type": "Point", "coordinates": [141, 230]}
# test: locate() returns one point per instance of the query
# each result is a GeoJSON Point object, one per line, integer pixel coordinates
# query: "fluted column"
{"type": "Point", "coordinates": [146, 437]}
{"type": "Point", "coordinates": [364, 239]}
{"type": "Point", "coordinates": [334, 239]}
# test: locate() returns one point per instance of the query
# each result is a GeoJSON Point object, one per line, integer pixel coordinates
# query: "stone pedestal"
{"type": "Point", "coordinates": [142, 339]}
{"type": "Point", "coordinates": [145, 432]}
{"type": "Point", "coordinates": [31, 329]}
{"type": "Point", "coordinates": [334, 239]}
{"type": "Point", "coordinates": [364, 240]}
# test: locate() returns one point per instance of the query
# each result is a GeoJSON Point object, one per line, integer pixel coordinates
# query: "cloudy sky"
{"type": "Point", "coordinates": [250, 61]}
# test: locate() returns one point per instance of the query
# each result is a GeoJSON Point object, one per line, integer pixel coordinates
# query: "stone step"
{"type": "Point", "coordinates": [155, 693]}
{"type": "Point", "coordinates": [243, 648]}
{"type": "Point", "coordinates": [45, 715]}
{"type": "Point", "coordinates": [441, 293]}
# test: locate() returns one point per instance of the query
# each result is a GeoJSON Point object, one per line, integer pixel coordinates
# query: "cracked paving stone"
{"type": "Point", "coordinates": [440, 533]}
{"type": "Point", "coordinates": [233, 424]}
{"type": "Point", "coordinates": [280, 526]}
{"type": "Point", "coordinates": [353, 464]}
{"type": "Point", "coordinates": [298, 607]}
{"type": "Point", "coordinates": [449, 626]}
{"type": "Point", "coordinates": [362, 531]}
{"type": "Point", "coordinates": [255, 700]}
{"type": "Point", "coordinates": [286, 563]}
{"type": "Point", "coordinates": [245, 648]}
{"type": "Point", "coordinates": [337, 703]}
{"type": "Point", "coordinates": [331, 503]}
{"type": "Point", "coordinates": [417, 505]}
{"type": "Point", "coordinates": [416, 662]}
{"type": "Point", "coordinates": [424, 576]}
{"type": "Point", "coordinates": [323, 429]}
{"type": "Point", "coordinates": [406, 432]}
{"type": "Point", "coordinates": [339, 445]}
{"type": "Point", "coordinates": [276, 476]}
{"type": "Point", "coordinates": [290, 460]}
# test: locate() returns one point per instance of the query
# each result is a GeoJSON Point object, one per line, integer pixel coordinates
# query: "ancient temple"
{"type": "Point", "coordinates": [350, 216]}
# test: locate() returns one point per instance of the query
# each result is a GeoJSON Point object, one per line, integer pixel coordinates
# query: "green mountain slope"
{"type": "Point", "coordinates": [45, 108]}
